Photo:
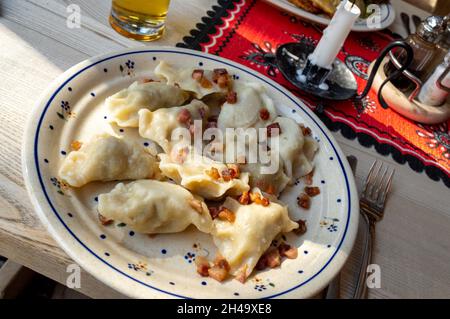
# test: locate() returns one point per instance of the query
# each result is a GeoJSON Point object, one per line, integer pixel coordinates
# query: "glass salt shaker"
{"type": "Point", "coordinates": [436, 89]}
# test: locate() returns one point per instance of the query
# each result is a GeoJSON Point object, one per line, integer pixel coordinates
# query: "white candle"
{"type": "Point", "coordinates": [335, 34]}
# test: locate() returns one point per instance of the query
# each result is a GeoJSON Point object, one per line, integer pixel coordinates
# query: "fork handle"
{"type": "Point", "coordinates": [361, 285]}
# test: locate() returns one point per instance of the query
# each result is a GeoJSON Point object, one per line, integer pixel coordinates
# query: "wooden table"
{"type": "Point", "coordinates": [413, 240]}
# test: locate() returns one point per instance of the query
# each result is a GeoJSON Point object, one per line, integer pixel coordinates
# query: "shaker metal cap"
{"type": "Point", "coordinates": [431, 28]}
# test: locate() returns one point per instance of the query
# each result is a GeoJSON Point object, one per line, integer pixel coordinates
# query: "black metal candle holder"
{"type": "Point", "coordinates": [292, 58]}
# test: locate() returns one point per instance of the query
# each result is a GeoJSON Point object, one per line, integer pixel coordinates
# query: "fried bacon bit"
{"type": "Point", "coordinates": [226, 214]}
{"type": "Point", "coordinates": [184, 116]}
{"type": "Point", "coordinates": [309, 178]}
{"type": "Point", "coordinates": [273, 257]}
{"type": "Point", "coordinates": [288, 251]}
{"type": "Point", "coordinates": [221, 78]}
{"type": "Point", "coordinates": [264, 114]}
{"type": "Point", "coordinates": [75, 145]}
{"type": "Point", "coordinates": [202, 266]}
{"type": "Point", "coordinates": [258, 199]}
{"type": "Point", "coordinates": [231, 97]}
{"type": "Point", "coordinates": [221, 262]}
{"type": "Point", "coordinates": [306, 131]}
{"type": "Point", "coordinates": [206, 84]}
{"type": "Point", "coordinates": [217, 73]}
{"type": "Point", "coordinates": [226, 175]}
{"type": "Point", "coordinates": [304, 201]}
{"type": "Point", "coordinates": [197, 74]}
{"type": "Point", "coordinates": [223, 81]}
{"type": "Point", "coordinates": [196, 204]}
{"type": "Point", "coordinates": [241, 275]}
{"type": "Point", "coordinates": [244, 199]}
{"type": "Point", "coordinates": [273, 129]}
{"type": "Point", "coordinates": [213, 173]}
{"type": "Point", "coordinates": [301, 227]}
{"type": "Point", "coordinates": [312, 191]}
{"type": "Point", "coordinates": [105, 221]}
{"type": "Point", "coordinates": [218, 273]}
{"type": "Point", "coordinates": [214, 211]}
{"type": "Point", "coordinates": [234, 170]}
{"type": "Point", "coordinates": [270, 190]}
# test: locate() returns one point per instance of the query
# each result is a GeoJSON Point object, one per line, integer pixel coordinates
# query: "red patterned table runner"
{"type": "Point", "coordinates": [249, 32]}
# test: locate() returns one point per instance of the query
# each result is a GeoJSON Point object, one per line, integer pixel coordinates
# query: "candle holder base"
{"type": "Point", "coordinates": [340, 83]}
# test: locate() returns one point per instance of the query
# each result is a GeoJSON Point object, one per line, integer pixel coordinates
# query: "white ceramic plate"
{"type": "Point", "coordinates": [387, 13]}
{"type": "Point", "coordinates": [161, 267]}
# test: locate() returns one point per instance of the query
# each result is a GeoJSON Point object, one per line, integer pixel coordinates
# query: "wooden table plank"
{"type": "Point", "coordinates": [412, 246]}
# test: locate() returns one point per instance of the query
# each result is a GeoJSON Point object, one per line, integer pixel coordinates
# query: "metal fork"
{"type": "Point", "coordinates": [372, 202]}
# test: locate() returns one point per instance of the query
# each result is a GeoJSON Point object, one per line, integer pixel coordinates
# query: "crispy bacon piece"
{"type": "Point", "coordinates": [197, 74]}
{"type": "Point", "coordinates": [258, 199]}
{"type": "Point", "coordinates": [205, 83]}
{"type": "Point", "coordinates": [273, 257]}
{"type": "Point", "coordinates": [214, 211]}
{"type": "Point", "coordinates": [264, 114]}
{"type": "Point", "coordinates": [244, 199]}
{"type": "Point", "coordinates": [304, 201]}
{"type": "Point", "coordinates": [231, 97]}
{"type": "Point", "coordinates": [202, 266]}
{"type": "Point", "coordinates": [226, 214]}
{"type": "Point", "coordinates": [213, 173]}
{"type": "Point", "coordinates": [105, 221]}
{"type": "Point", "coordinates": [218, 73]}
{"type": "Point", "coordinates": [234, 170]}
{"type": "Point", "coordinates": [273, 129]}
{"type": "Point", "coordinates": [221, 262]}
{"type": "Point", "coordinates": [312, 191]}
{"type": "Point", "coordinates": [226, 175]}
{"type": "Point", "coordinates": [287, 251]}
{"type": "Point", "coordinates": [301, 227]}
{"type": "Point", "coordinates": [75, 145]}
{"type": "Point", "coordinates": [241, 275]}
{"type": "Point", "coordinates": [223, 81]}
{"type": "Point", "coordinates": [306, 131]}
{"type": "Point", "coordinates": [309, 178]}
{"type": "Point", "coordinates": [218, 273]}
{"type": "Point", "coordinates": [196, 204]}
{"type": "Point", "coordinates": [184, 116]}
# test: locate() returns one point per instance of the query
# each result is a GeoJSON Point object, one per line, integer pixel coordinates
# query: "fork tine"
{"type": "Point", "coordinates": [376, 183]}
{"type": "Point", "coordinates": [382, 181]}
{"type": "Point", "coordinates": [369, 178]}
{"type": "Point", "coordinates": [382, 200]}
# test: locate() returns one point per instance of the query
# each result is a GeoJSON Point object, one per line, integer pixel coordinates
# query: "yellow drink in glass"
{"type": "Point", "coordinates": [142, 20]}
